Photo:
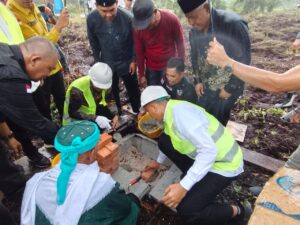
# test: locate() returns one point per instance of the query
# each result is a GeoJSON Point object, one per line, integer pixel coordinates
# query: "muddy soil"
{"type": "Point", "coordinates": [270, 50]}
{"type": "Point", "coordinates": [266, 133]}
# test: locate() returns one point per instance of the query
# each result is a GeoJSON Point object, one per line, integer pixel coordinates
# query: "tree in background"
{"type": "Point", "coordinates": [262, 6]}
{"type": "Point", "coordinates": [220, 4]}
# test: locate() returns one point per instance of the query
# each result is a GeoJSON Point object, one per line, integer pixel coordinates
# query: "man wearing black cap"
{"type": "Point", "coordinates": [111, 39]}
{"type": "Point", "coordinates": [158, 36]}
{"type": "Point", "coordinates": [217, 88]}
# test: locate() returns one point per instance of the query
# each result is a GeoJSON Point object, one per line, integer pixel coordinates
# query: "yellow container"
{"type": "Point", "coordinates": [55, 160]}
{"type": "Point", "coordinates": [155, 133]}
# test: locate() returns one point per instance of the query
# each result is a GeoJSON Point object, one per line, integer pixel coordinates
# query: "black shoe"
{"type": "Point", "coordinates": [39, 161]}
{"type": "Point", "coordinates": [244, 215]}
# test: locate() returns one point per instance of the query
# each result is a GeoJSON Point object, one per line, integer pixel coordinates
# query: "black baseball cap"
{"type": "Point", "coordinates": [142, 14]}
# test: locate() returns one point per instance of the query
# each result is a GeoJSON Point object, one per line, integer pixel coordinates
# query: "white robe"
{"type": "Point", "coordinates": [86, 188]}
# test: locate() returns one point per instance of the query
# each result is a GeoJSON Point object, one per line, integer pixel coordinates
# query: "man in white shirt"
{"type": "Point", "coordinates": [203, 150]}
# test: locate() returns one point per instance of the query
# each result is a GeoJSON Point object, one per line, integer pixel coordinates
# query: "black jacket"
{"type": "Point", "coordinates": [232, 32]}
{"type": "Point", "coordinates": [112, 42]}
{"type": "Point", "coordinates": [15, 103]}
{"type": "Point", "coordinates": [184, 90]}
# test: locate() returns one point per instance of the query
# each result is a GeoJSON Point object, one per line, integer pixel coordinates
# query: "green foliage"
{"type": "Point", "coordinates": [171, 5]}
{"type": "Point", "coordinates": [220, 4]}
{"type": "Point", "coordinates": [253, 113]}
{"type": "Point", "coordinates": [248, 6]}
{"type": "Point", "coordinates": [275, 111]}
{"type": "Point", "coordinates": [260, 113]}
{"type": "Point", "coordinates": [247, 112]}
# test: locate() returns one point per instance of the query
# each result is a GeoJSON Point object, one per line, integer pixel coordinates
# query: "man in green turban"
{"type": "Point", "coordinates": [75, 191]}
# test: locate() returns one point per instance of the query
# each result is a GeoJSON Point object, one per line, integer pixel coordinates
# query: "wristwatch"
{"type": "Point", "coordinates": [228, 68]}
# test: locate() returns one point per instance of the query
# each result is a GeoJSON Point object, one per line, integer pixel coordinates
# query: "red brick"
{"type": "Point", "coordinates": [109, 161]}
{"type": "Point", "coordinates": [147, 175]}
{"type": "Point", "coordinates": [113, 147]}
{"type": "Point", "coordinates": [102, 153]}
{"type": "Point", "coordinates": [105, 139]}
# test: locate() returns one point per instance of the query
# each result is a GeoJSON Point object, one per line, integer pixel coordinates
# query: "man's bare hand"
{"type": "Point", "coordinates": [14, 145]}
{"type": "Point", "coordinates": [48, 11]}
{"type": "Point", "coordinates": [115, 123]}
{"type": "Point", "coordinates": [149, 170]}
{"type": "Point", "coordinates": [173, 195]}
{"type": "Point", "coordinates": [199, 89]}
{"type": "Point", "coordinates": [295, 118]}
{"type": "Point", "coordinates": [132, 68]}
{"type": "Point", "coordinates": [63, 20]}
{"type": "Point", "coordinates": [143, 82]}
{"type": "Point", "coordinates": [216, 54]}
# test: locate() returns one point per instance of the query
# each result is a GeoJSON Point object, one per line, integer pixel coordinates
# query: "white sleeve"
{"type": "Point", "coordinates": [161, 157]}
{"type": "Point", "coordinates": [191, 124]}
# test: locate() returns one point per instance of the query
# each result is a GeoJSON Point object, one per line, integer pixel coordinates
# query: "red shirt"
{"type": "Point", "coordinates": [156, 46]}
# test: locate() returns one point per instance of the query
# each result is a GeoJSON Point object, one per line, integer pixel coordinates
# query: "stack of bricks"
{"type": "Point", "coordinates": [107, 154]}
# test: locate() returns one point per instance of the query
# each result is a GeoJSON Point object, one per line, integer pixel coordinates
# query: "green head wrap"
{"type": "Point", "coordinates": [71, 140]}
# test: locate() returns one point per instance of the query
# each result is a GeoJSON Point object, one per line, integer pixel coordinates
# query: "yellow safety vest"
{"type": "Point", "coordinates": [13, 27]}
{"type": "Point", "coordinates": [83, 84]}
{"type": "Point", "coordinates": [229, 156]}
{"type": "Point", "coordinates": [33, 24]}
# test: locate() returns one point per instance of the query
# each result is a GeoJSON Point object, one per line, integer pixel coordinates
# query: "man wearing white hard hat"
{"type": "Point", "coordinates": [203, 150]}
{"type": "Point", "coordinates": [86, 98]}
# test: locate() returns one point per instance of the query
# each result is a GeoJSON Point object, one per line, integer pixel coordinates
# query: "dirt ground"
{"type": "Point", "coordinates": [271, 37]}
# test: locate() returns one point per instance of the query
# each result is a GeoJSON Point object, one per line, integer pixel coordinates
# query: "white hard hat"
{"type": "Point", "coordinates": [152, 93]}
{"type": "Point", "coordinates": [101, 75]}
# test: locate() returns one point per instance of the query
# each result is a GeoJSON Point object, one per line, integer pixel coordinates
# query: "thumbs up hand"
{"type": "Point", "coordinates": [216, 54]}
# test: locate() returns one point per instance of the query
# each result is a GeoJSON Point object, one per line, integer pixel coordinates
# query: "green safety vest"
{"type": "Point", "coordinates": [83, 84]}
{"type": "Point", "coordinates": [229, 155]}
{"type": "Point", "coordinates": [13, 27]}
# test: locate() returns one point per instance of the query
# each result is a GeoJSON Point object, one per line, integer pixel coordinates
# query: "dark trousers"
{"type": "Point", "coordinates": [132, 87]}
{"type": "Point", "coordinates": [24, 137]}
{"type": "Point", "coordinates": [12, 183]}
{"type": "Point", "coordinates": [153, 77]}
{"type": "Point", "coordinates": [54, 85]}
{"type": "Point", "coordinates": [5, 216]}
{"type": "Point", "coordinates": [198, 206]}
{"type": "Point", "coordinates": [216, 106]}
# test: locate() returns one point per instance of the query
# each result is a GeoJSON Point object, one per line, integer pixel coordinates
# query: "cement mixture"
{"type": "Point", "coordinates": [149, 125]}
{"type": "Point", "coordinates": [134, 161]}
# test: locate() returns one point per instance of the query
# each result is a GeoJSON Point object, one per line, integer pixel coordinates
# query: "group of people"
{"type": "Point", "coordinates": [144, 46]}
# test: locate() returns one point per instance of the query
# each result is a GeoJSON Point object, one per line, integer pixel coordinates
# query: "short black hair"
{"type": "Point", "coordinates": [176, 62]}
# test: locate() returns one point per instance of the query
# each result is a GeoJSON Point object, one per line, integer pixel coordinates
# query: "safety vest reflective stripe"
{"type": "Point", "coordinates": [218, 133]}
{"type": "Point", "coordinates": [103, 102]}
{"type": "Point", "coordinates": [229, 154]}
{"type": "Point", "coordinates": [83, 84]}
{"type": "Point", "coordinates": [16, 36]}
